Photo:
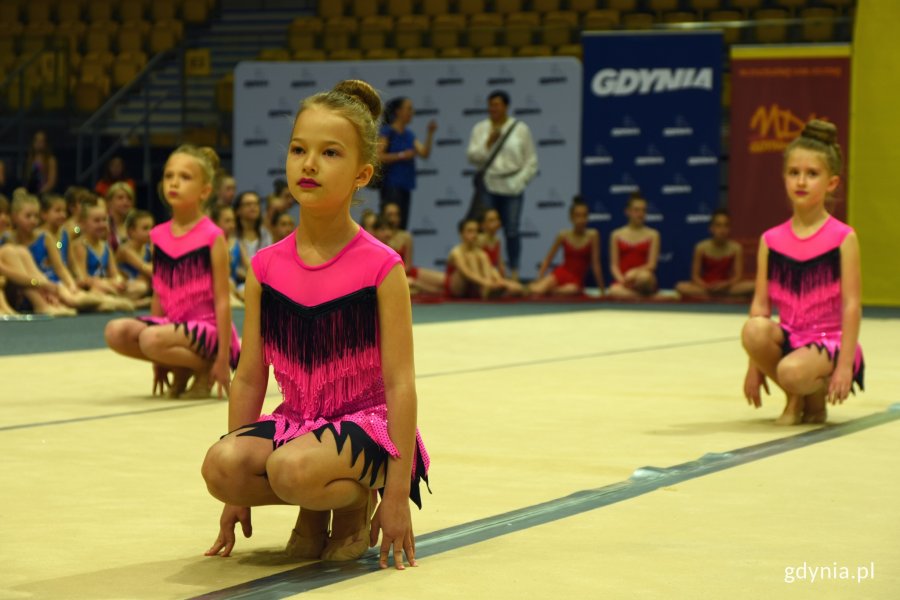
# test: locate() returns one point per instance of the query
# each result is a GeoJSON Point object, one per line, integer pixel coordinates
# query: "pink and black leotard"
{"type": "Point", "coordinates": [183, 283]}
{"type": "Point", "coordinates": [319, 328]}
{"type": "Point", "coordinates": [805, 286]}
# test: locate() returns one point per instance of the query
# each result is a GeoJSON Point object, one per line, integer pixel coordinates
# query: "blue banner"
{"type": "Point", "coordinates": [652, 122]}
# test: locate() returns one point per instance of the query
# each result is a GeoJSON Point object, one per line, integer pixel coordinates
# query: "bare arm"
{"type": "Point", "coordinates": [653, 255]}
{"type": "Point", "coordinates": [78, 261]}
{"type": "Point", "coordinates": [851, 315]}
{"type": "Point", "coordinates": [545, 264]}
{"type": "Point", "coordinates": [463, 265]}
{"type": "Point", "coordinates": [248, 390]}
{"type": "Point", "coordinates": [424, 150]}
{"type": "Point", "coordinates": [697, 266]}
{"type": "Point", "coordinates": [56, 261]}
{"type": "Point", "coordinates": [595, 259]}
{"type": "Point", "coordinates": [126, 255]}
{"type": "Point", "coordinates": [614, 258]}
{"type": "Point", "coordinates": [221, 294]}
{"type": "Point", "coordinates": [760, 307]}
{"type": "Point", "coordinates": [737, 272]}
{"type": "Point", "coordinates": [398, 371]}
{"type": "Point", "coordinates": [51, 176]}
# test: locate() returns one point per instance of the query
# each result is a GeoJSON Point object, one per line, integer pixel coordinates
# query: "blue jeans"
{"type": "Point", "coordinates": [510, 209]}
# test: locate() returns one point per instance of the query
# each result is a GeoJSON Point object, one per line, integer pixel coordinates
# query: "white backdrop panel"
{"type": "Point", "coordinates": [545, 93]}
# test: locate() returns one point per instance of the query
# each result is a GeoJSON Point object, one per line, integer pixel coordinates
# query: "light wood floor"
{"type": "Point", "coordinates": [101, 497]}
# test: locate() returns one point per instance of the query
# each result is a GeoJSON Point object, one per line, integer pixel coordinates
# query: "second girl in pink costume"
{"type": "Point", "coordinates": [813, 279]}
{"type": "Point", "coordinates": [189, 330]}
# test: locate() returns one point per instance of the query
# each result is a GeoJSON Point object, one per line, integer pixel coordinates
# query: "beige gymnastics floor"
{"type": "Point", "coordinates": [515, 411]}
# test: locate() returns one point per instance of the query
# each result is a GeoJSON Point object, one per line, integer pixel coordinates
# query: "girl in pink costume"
{"type": "Point", "coordinates": [328, 308]}
{"type": "Point", "coordinates": [813, 279]}
{"type": "Point", "coordinates": [189, 330]}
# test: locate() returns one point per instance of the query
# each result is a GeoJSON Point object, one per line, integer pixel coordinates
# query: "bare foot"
{"type": "Point", "coordinates": [349, 537]}
{"type": "Point", "coordinates": [201, 387]}
{"type": "Point", "coordinates": [180, 379]}
{"type": "Point", "coordinates": [309, 535]}
{"type": "Point", "coordinates": [815, 410]}
{"type": "Point", "coordinates": [793, 412]}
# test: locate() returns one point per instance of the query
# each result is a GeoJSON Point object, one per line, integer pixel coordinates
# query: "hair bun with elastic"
{"type": "Point", "coordinates": [363, 92]}
{"type": "Point", "coordinates": [822, 131]}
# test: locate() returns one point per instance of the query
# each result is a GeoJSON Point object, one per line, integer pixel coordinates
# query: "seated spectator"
{"type": "Point", "coordinates": [284, 225]}
{"type": "Point", "coordinates": [120, 202]}
{"type": "Point", "coordinates": [95, 264]}
{"type": "Point", "coordinates": [114, 173]}
{"type": "Point", "coordinates": [581, 251]}
{"type": "Point", "coordinates": [421, 280]}
{"type": "Point", "coordinates": [249, 224]}
{"type": "Point", "coordinates": [718, 265]}
{"type": "Point", "coordinates": [134, 257]}
{"type": "Point", "coordinates": [469, 270]}
{"type": "Point", "coordinates": [238, 263]}
{"type": "Point", "coordinates": [633, 253]}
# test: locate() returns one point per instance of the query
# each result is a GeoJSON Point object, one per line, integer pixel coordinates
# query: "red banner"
{"type": "Point", "coordinates": [774, 92]}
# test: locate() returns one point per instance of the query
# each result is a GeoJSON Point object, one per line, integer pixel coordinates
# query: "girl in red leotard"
{"type": "Point", "coordinates": [633, 252]}
{"type": "Point", "coordinates": [421, 280]}
{"type": "Point", "coordinates": [718, 264]}
{"type": "Point", "coordinates": [581, 250]}
{"type": "Point", "coordinates": [489, 242]}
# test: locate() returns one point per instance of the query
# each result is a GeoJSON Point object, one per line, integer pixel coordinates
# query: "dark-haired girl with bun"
{"type": "Point", "coordinates": [328, 309]}
{"type": "Point", "coordinates": [809, 269]}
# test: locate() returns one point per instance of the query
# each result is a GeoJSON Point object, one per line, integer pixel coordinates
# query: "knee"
{"type": "Point", "coordinates": [757, 332]}
{"type": "Point", "coordinates": [150, 340]}
{"type": "Point", "coordinates": [791, 376]}
{"type": "Point", "coordinates": [223, 464]}
{"type": "Point", "coordinates": [115, 333]}
{"type": "Point", "coordinates": [289, 476]}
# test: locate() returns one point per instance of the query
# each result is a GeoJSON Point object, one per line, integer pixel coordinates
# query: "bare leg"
{"type": "Point", "coordinates": [235, 471]}
{"type": "Point", "coordinates": [165, 345]}
{"type": "Point", "coordinates": [430, 281]}
{"type": "Point", "coordinates": [644, 282]}
{"type": "Point", "coordinates": [567, 289]}
{"type": "Point", "coordinates": [814, 408]}
{"type": "Point", "coordinates": [122, 336]}
{"type": "Point", "coordinates": [314, 475]}
{"type": "Point", "coordinates": [618, 290]}
{"type": "Point", "coordinates": [542, 286]}
{"type": "Point", "coordinates": [742, 288]}
{"type": "Point", "coordinates": [691, 290]}
{"type": "Point", "coordinates": [762, 339]}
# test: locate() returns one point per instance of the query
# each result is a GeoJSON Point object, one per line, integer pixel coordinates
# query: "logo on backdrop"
{"type": "Point", "coordinates": [681, 127]}
{"type": "Point", "coordinates": [626, 185]}
{"type": "Point", "coordinates": [629, 127]}
{"type": "Point", "coordinates": [452, 77]}
{"type": "Point", "coordinates": [556, 77]}
{"type": "Point", "coordinates": [450, 138]}
{"type": "Point", "coordinates": [679, 185]}
{"type": "Point", "coordinates": [704, 156]}
{"type": "Point", "coordinates": [772, 128]}
{"type": "Point", "coordinates": [403, 78]}
{"type": "Point", "coordinates": [503, 77]}
{"type": "Point", "coordinates": [554, 138]}
{"type": "Point", "coordinates": [600, 156]}
{"type": "Point", "coordinates": [651, 156]}
{"type": "Point", "coordinates": [625, 82]}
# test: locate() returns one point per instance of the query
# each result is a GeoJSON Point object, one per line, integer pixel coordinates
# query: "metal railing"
{"type": "Point", "coordinates": [93, 127]}
{"type": "Point", "coordinates": [53, 80]}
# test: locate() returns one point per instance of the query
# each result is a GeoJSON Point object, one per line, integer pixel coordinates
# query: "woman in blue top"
{"type": "Point", "coordinates": [397, 151]}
